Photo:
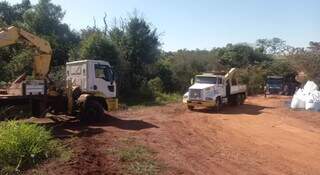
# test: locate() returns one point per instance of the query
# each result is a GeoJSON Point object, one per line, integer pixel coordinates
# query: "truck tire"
{"type": "Point", "coordinates": [235, 100]}
{"type": "Point", "coordinates": [38, 108]}
{"type": "Point", "coordinates": [218, 104]}
{"type": "Point", "coordinates": [190, 107]}
{"type": "Point", "coordinates": [92, 111]}
{"type": "Point", "coordinates": [243, 98]}
{"type": "Point", "coordinates": [238, 99]}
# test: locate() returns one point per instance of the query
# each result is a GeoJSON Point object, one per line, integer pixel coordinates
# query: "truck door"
{"type": "Point", "coordinates": [104, 80]}
{"type": "Point", "coordinates": [220, 86]}
{"type": "Point", "coordinates": [228, 88]}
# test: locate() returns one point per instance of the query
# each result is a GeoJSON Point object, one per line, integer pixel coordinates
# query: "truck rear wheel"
{"type": "Point", "coordinates": [91, 112]}
{"type": "Point", "coordinates": [39, 108]}
{"type": "Point", "coordinates": [238, 99]}
{"type": "Point", "coordinates": [235, 100]}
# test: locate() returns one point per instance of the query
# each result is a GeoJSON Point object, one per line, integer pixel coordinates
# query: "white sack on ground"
{"type": "Point", "coordinates": [297, 102]}
{"type": "Point", "coordinates": [307, 98]}
{"type": "Point", "coordinates": [310, 86]}
{"type": "Point", "coordinates": [310, 106]}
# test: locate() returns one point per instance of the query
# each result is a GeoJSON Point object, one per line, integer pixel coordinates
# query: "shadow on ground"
{"type": "Point", "coordinates": [66, 126]}
{"type": "Point", "coordinates": [248, 109]}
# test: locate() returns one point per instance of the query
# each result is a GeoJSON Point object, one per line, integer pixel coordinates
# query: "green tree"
{"type": "Point", "coordinates": [97, 46]}
{"type": "Point", "coordinates": [309, 63]}
{"type": "Point", "coordinates": [42, 19]}
{"type": "Point", "coordinates": [13, 14]}
{"type": "Point", "coordinates": [139, 48]}
{"type": "Point", "coordinates": [274, 46]}
{"type": "Point", "coordinates": [177, 68]}
{"type": "Point", "coordinates": [314, 46]}
{"type": "Point", "coordinates": [45, 19]}
{"type": "Point", "coordinates": [241, 55]}
{"type": "Point", "coordinates": [19, 64]}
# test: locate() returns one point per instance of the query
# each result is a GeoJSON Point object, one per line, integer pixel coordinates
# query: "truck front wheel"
{"type": "Point", "coordinates": [92, 111]}
{"type": "Point", "coordinates": [218, 104]}
{"type": "Point", "coordinates": [190, 107]}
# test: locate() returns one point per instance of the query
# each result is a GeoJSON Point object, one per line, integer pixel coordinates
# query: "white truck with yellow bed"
{"type": "Point", "coordinates": [213, 90]}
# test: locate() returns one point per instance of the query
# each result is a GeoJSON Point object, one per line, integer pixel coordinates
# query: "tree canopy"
{"type": "Point", "coordinates": [134, 50]}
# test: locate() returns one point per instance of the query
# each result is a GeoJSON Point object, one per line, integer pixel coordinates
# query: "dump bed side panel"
{"type": "Point", "coordinates": [238, 89]}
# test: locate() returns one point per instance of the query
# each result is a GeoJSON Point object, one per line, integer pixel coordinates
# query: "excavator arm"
{"type": "Point", "coordinates": [230, 73]}
{"type": "Point", "coordinates": [43, 51]}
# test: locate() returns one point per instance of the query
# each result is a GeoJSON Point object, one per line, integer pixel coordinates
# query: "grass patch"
{"type": "Point", "coordinates": [164, 98]}
{"type": "Point", "coordinates": [23, 145]}
{"type": "Point", "coordinates": [159, 99]}
{"type": "Point", "coordinates": [136, 159]}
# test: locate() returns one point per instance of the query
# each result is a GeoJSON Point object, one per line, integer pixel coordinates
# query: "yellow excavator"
{"type": "Point", "coordinates": [90, 84]}
{"type": "Point", "coordinates": [43, 51]}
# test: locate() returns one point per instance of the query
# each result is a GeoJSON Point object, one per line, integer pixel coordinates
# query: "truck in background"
{"type": "Point", "coordinates": [215, 89]}
{"type": "Point", "coordinates": [274, 85]}
{"type": "Point", "coordinates": [281, 85]}
{"type": "Point", "coordinates": [89, 88]}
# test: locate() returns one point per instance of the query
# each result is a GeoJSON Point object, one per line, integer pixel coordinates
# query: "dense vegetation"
{"type": "Point", "coordinates": [132, 46]}
{"type": "Point", "coordinates": [23, 145]}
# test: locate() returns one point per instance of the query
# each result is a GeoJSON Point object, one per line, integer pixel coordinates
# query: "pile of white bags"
{"type": "Point", "coordinates": [307, 98]}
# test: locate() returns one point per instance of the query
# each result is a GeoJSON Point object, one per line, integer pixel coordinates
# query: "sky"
{"type": "Point", "coordinates": [205, 24]}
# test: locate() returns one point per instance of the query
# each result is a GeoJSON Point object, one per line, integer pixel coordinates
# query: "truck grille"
{"type": "Point", "coordinates": [195, 94]}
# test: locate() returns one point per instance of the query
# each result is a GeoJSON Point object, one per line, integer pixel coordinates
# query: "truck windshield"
{"type": "Point", "coordinates": [104, 72]}
{"type": "Point", "coordinates": [206, 80]}
{"type": "Point", "coordinates": [274, 81]}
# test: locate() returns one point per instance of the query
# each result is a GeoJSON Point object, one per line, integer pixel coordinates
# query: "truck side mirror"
{"type": "Point", "coordinates": [192, 81]}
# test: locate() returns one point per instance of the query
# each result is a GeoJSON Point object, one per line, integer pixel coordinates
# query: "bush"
{"type": "Point", "coordinates": [254, 77]}
{"type": "Point", "coordinates": [155, 85]}
{"type": "Point", "coordinates": [309, 64]}
{"type": "Point", "coordinates": [23, 145]}
{"type": "Point", "coordinates": [163, 98]}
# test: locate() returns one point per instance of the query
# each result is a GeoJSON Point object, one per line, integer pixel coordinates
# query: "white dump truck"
{"type": "Point", "coordinates": [215, 89]}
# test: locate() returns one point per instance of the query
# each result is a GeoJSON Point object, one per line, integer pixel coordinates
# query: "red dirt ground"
{"type": "Point", "coordinates": [261, 137]}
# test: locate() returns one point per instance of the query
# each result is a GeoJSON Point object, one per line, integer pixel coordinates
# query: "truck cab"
{"type": "Point", "coordinates": [93, 88]}
{"type": "Point", "coordinates": [274, 85]}
{"type": "Point", "coordinates": [213, 90]}
{"type": "Point", "coordinates": [93, 76]}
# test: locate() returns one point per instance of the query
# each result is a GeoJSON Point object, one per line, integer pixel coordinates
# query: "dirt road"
{"type": "Point", "coordinates": [261, 137]}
